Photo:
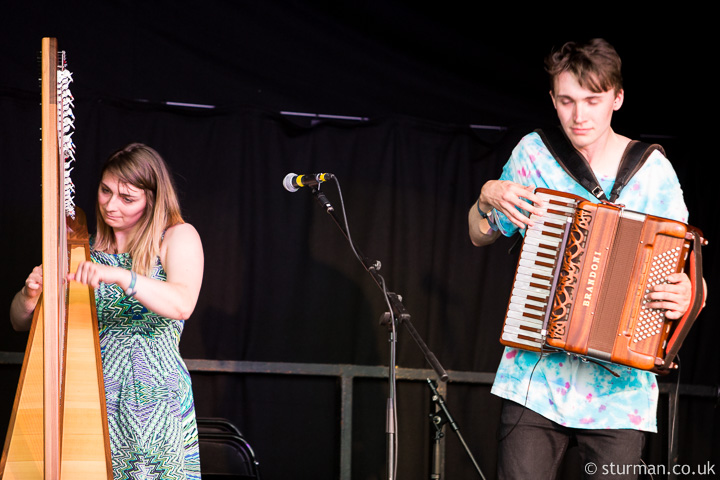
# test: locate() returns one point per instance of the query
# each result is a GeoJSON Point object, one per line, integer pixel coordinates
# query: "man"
{"type": "Point", "coordinates": [550, 399]}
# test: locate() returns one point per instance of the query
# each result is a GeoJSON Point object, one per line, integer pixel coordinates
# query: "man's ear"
{"type": "Point", "coordinates": [619, 98]}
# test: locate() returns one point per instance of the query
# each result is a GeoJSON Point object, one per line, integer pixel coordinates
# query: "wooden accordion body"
{"type": "Point", "coordinates": [582, 278]}
{"type": "Point", "coordinates": [58, 428]}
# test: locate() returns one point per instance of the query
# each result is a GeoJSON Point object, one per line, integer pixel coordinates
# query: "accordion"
{"type": "Point", "coordinates": [582, 279]}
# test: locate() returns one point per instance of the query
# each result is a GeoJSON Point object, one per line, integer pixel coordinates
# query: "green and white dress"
{"type": "Point", "coordinates": [151, 413]}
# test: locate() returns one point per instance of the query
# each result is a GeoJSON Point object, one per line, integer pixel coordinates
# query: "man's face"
{"type": "Point", "coordinates": [584, 115]}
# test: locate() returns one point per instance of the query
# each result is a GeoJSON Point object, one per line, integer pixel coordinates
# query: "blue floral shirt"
{"type": "Point", "coordinates": [563, 388]}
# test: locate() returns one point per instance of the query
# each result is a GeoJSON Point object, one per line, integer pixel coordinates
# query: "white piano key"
{"type": "Point", "coordinates": [524, 291]}
{"type": "Point", "coordinates": [525, 270]}
{"type": "Point", "coordinates": [560, 208]}
{"type": "Point", "coordinates": [530, 330]}
{"type": "Point", "coordinates": [529, 247]}
{"type": "Point", "coordinates": [559, 198]}
{"type": "Point", "coordinates": [545, 239]}
{"type": "Point", "coordinates": [533, 280]}
{"type": "Point", "coordinates": [533, 256]}
{"type": "Point", "coordinates": [552, 232]}
{"type": "Point", "coordinates": [538, 240]}
{"type": "Point", "coordinates": [518, 317]}
{"type": "Point", "coordinates": [541, 269]}
{"type": "Point", "coordinates": [523, 311]}
{"type": "Point", "coordinates": [550, 217]}
{"type": "Point", "coordinates": [518, 300]}
{"type": "Point", "coordinates": [526, 307]}
{"type": "Point", "coordinates": [549, 228]}
{"type": "Point", "coordinates": [509, 337]}
{"type": "Point", "coordinates": [520, 331]}
{"type": "Point", "coordinates": [546, 231]}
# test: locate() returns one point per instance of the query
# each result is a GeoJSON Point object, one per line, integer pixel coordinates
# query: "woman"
{"type": "Point", "coordinates": [146, 269]}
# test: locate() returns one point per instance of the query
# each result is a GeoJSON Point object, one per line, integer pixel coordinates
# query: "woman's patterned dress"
{"type": "Point", "coordinates": [151, 414]}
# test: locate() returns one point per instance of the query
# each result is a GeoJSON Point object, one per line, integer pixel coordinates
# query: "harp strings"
{"type": "Point", "coordinates": [66, 128]}
{"type": "Point", "coordinates": [66, 206]}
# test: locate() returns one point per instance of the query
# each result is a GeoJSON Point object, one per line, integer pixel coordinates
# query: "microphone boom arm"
{"type": "Point", "coordinates": [372, 267]}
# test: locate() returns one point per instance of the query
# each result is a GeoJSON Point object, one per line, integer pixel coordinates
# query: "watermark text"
{"type": "Point", "coordinates": [643, 469]}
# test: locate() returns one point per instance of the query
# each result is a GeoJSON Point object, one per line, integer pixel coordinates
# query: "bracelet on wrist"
{"type": "Point", "coordinates": [130, 291]}
{"type": "Point", "coordinates": [485, 215]}
{"type": "Point", "coordinates": [489, 216]}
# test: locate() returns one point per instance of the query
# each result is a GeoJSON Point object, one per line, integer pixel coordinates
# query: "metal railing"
{"type": "Point", "coordinates": [346, 375]}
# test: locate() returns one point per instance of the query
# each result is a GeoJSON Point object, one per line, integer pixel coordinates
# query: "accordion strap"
{"type": "Point", "coordinates": [579, 169]}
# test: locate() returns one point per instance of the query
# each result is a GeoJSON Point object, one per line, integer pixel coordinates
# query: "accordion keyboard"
{"type": "Point", "coordinates": [537, 265]}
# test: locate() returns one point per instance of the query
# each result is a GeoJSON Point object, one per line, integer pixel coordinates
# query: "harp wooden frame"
{"type": "Point", "coordinates": [58, 428]}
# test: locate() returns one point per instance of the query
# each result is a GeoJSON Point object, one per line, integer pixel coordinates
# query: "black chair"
{"type": "Point", "coordinates": [224, 452]}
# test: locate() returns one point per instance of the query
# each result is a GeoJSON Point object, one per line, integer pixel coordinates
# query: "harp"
{"type": "Point", "coordinates": [58, 427]}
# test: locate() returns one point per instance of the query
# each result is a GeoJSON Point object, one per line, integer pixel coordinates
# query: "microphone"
{"type": "Point", "coordinates": [293, 182]}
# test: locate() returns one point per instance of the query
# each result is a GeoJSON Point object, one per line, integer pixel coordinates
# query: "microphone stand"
{"type": "Point", "coordinates": [397, 314]}
{"type": "Point", "coordinates": [439, 419]}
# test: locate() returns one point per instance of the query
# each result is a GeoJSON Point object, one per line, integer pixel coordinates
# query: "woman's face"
{"type": "Point", "coordinates": [121, 204]}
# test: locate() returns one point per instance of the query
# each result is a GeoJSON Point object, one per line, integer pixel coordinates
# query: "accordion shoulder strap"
{"type": "Point", "coordinates": [579, 169]}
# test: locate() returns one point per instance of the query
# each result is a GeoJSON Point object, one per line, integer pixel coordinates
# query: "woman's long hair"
{"type": "Point", "coordinates": [142, 167]}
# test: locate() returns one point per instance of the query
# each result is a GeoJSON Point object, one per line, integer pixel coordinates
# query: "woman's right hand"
{"type": "Point", "coordinates": [34, 283]}
{"type": "Point", "coordinates": [25, 301]}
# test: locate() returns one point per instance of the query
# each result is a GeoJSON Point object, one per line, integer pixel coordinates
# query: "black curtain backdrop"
{"type": "Point", "coordinates": [281, 283]}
